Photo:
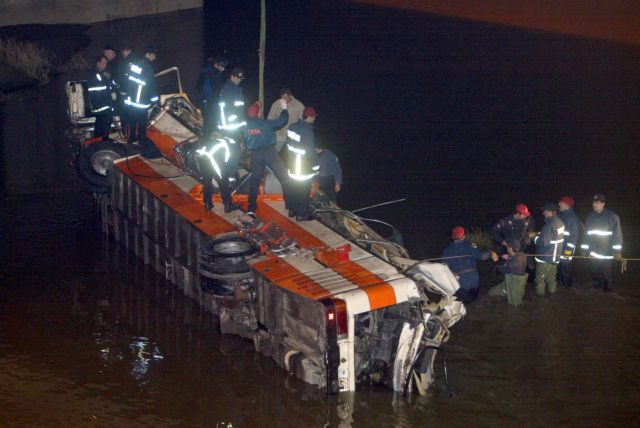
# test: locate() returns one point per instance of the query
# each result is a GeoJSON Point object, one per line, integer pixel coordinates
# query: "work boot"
{"type": "Point", "coordinates": [304, 217]}
{"type": "Point", "coordinates": [230, 207]}
{"type": "Point", "coordinates": [291, 214]}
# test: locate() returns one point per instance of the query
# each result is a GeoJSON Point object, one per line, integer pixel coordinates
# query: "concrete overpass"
{"type": "Point", "coordinates": [17, 12]}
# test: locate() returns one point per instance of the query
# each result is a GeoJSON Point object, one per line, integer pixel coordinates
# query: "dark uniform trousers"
{"type": "Point", "coordinates": [328, 186]}
{"type": "Point", "coordinates": [602, 273]}
{"type": "Point", "coordinates": [102, 125]}
{"type": "Point", "coordinates": [260, 158]}
{"type": "Point", "coordinates": [298, 195]}
{"type": "Point", "coordinates": [135, 122]}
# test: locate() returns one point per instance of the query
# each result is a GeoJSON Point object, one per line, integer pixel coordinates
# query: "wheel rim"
{"type": "Point", "coordinates": [232, 247]}
{"type": "Point", "coordinates": [102, 161]}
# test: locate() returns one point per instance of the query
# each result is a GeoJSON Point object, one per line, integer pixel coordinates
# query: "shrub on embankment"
{"type": "Point", "coordinates": [26, 58]}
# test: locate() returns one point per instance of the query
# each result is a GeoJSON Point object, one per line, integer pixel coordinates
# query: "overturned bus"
{"type": "Point", "coordinates": [330, 300]}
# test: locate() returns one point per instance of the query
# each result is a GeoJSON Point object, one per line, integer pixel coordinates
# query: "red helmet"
{"type": "Point", "coordinates": [457, 232]}
{"type": "Point", "coordinates": [522, 209]}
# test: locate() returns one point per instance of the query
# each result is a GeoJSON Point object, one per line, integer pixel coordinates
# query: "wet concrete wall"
{"type": "Point", "coordinates": [35, 151]}
{"type": "Point", "coordinates": [17, 12]}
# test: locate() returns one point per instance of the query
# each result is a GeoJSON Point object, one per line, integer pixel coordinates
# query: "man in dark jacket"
{"type": "Point", "coordinates": [465, 268]}
{"type": "Point", "coordinates": [141, 93]}
{"type": "Point", "coordinates": [99, 87]}
{"type": "Point", "coordinates": [602, 241]}
{"type": "Point", "coordinates": [231, 122]}
{"type": "Point", "coordinates": [209, 85]}
{"type": "Point", "coordinates": [519, 225]}
{"type": "Point", "coordinates": [330, 174]}
{"type": "Point", "coordinates": [260, 138]}
{"type": "Point", "coordinates": [127, 56]}
{"type": "Point", "coordinates": [548, 249]}
{"type": "Point", "coordinates": [302, 163]}
{"type": "Point", "coordinates": [571, 235]}
{"type": "Point", "coordinates": [514, 269]}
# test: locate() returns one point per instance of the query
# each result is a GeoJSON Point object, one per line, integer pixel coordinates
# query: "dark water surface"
{"type": "Point", "coordinates": [463, 119]}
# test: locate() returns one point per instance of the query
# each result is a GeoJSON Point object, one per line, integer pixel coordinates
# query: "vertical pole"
{"type": "Point", "coordinates": [261, 50]}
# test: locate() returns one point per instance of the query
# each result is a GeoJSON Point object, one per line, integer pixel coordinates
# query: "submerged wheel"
{"type": "Point", "coordinates": [228, 247]}
{"type": "Point", "coordinates": [95, 164]}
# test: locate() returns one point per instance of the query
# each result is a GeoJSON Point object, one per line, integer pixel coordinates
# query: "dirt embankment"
{"type": "Point", "coordinates": [31, 55]}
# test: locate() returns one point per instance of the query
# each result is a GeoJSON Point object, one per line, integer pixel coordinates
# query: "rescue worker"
{"type": "Point", "coordinates": [519, 225]}
{"type": "Point", "coordinates": [330, 174]}
{"type": "Point", "coordinates": [548, 250]}
{"type": "Point", "coordinates": [99, 87]}
{"type": "Point", "coordinates": [260, 137]}
{"type": "Point", "coordinates": [465, 268]}
{"type": "Point", "coordinates": [602, 241]}
{"type": "Point", "coordinates": [231, 122]}
{"type": "Point", "coordinates": [514, 269]}
{"type": "Point", "coordinates": [141, 93]}
{"type": "Point", "coordinates": [572, 226]}
{"type": "Point", "coordinates": [209, 85]}
{"type": "Point", "coordinates": [109, 52]}
{"type": "Point", "coordinates": [302, 164]}
{"type": "Point", "coordinates": [127, 56]}
{"type": "Point", "coordinates": [295, 108]}
{"type": "Point", "coordinates": [211, 163]}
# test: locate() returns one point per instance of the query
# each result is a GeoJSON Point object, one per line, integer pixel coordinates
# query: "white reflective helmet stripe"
{"type": "Point", "coordinates": [221, 145]}
{"type": "Point", "coordinates": [293, 135]}
{"type": "Point", "coordinates": [617, 247]}
{"type": "Point", "coordinates": [599, 256]}
{"type": "Point", "coordinates": [600, 232]}
{"type": "Point", "coordinates": [136, 69]}
{"type": "Point", "coordinates": [98, 88]}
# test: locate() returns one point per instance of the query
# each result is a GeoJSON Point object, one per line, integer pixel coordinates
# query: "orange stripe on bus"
{"type": "Point", "coordinates": [163, 142]}
{"type": "Point", "coordinates": [302, 237]}
{"type": "Point", "coordinates": [174, 197]}
{"type": "Point", "coordinates": [282, 274]}
{"type": "Point", "coordinates": [380, 293]}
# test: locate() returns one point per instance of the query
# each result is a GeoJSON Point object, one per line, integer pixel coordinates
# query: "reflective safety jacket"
{"type": "Point", "coordinates": [302, 161]}
{"type": "Point", "coordinates": [465, 268]}
{"type": "Point", "coordinates": [512, 228]}
{"type": "Point", "coordinates": [231, 105]}
{"type": "Point", "coordinates": [99, 88]}
{"type": "Point", "coordinates": [602, 236]}
{"type": "Point", "coordinates": [571, 230]}
{"type": "Point", "coordinates": [549, 242]}
{"type": "Point", "coordinates": [141, 87]}
{"type": "Point", "coordinates": [261, 133]}
{"type": "Point", "coordinates": [122, 73]}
